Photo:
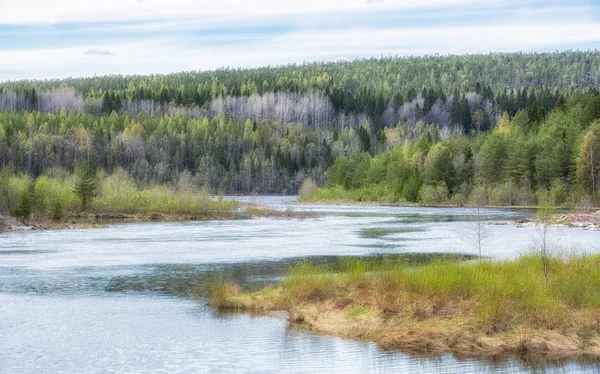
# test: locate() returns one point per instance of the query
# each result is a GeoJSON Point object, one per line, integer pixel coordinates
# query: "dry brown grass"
{"type": "Point", "coordinates": [409, 310]}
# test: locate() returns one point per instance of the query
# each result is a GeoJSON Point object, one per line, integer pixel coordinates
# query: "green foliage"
{"type": "Point", "coordinates": [25, 207]}
{"type": "Point", "coordinates": [11, 189]}
{"type": "Point", "coordinates": [364, 84]}
{"type": "Point", "coordinates": [87, 185]}
{"type": "Point", "coordinates": [410, 190]}
{"type": "Point", "coordinates": [438, 166]}
{"type": "Point", "coordinates": [434, 195]}
{"type": "Point", "coordinates": [119, 193]}
{"type": "Point", "coordinates": [556, 144]}
{"type": "Point", "coordinates": [545, 211]}
{"type": "Point", "coordinates": [493, 156]}
{"type": "Point", "coordinates": [506, 294]}
{"type": "Point", "coordinates": [512, 165]}
{"type": "Point", "coordinates": [389, 126]}
{"type": "Point", "coordinates": [558, 193]}
{"type": "Point", "coordinates": [53, 196]}
{"type": "Point", "coordinates": [588, 160]}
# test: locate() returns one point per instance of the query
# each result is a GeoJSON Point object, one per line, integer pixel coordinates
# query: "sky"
{"type": "Point", "coordinates": [42, 39]}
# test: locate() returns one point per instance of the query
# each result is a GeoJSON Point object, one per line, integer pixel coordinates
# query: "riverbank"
{"type": "Point", "coordinates": [96, 220]}
{"type": "Point", "coordinates": [8, 224]}
{"type": "Point", "coordinates": [587, 221]}
{"type": "Point", "coordinates": [475, 309]}
{"type": "Point", "coordinates": [406, 204]}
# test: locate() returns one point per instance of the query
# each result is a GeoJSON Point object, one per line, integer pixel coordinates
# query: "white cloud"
{"type": "Point", "coordinates": [168, 55]}
{"type": "Point", "coordinates": [191, 37]}
{"type": "Point", "coordinates": [99, 52]}
{"type": "Point", "coordinates": [60, 11]}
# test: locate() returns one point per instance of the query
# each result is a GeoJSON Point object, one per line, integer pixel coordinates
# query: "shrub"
{"type": "Point", "coordinates": [558, 192]}
{"type": "Point", "coordinates": [458, 199]}
{"type": "Point", "coordinates": [25, 207]}
{"type": "Point", "coordinates": [410, 189]}
{"type": "Point", "coordinates": [12, 188]}
{"type": "Point", "coordinates": [307, 188]}
{"type": "Point", "coordinates": [434, 195]}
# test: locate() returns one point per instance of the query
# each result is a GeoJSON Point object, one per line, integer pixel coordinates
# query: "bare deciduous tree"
{"type": "Point", "coordinates": [476, 231]}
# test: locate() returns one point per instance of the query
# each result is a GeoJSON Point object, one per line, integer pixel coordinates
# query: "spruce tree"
{"type": "Point", "coordinates": [87, 185]}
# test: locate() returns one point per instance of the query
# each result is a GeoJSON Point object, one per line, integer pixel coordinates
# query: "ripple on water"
{"type": "Point", "coordinates": [115, 299]}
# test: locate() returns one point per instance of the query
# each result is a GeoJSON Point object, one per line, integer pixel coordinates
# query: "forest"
{"type": "Point", "coordinates": [498, 129]}
{"type": "Point", "coordinates": [522, 159]}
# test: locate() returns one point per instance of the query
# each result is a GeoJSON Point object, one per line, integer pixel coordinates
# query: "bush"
{"type": "Point", "coordinates": [505, 194]}
{"type": "Point", "coordinates": [12, 188]}
{"type": "Point", "coordinates": [410, 189]}
{"type": "Point", "coordinates": [434, 195]}
{"type": "Point", "coordinates": [118, 193]}
{"type": "Point", "coordinates": [54, 195]}
{"type": "Point", "coordinates": [307, 189]}
{"type": "Point", "coordinates": [458, 199]}
{"type": "Point", "coordinates": [480, 196]}
{"type": "Point", "coordinates": [25, 207]}
{"type": "Point", "coordinates": [332, 194]}
{"type": "Point", "coordinates": [558, 192]}
{"type": "Point", "coordinates": [57, 210]}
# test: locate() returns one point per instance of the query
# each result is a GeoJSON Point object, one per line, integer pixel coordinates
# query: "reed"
{"type": "Point", "coordinates": [466, 307]}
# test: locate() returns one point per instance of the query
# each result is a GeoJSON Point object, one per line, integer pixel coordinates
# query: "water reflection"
{"type": "Point", "coordinates": [116, 299]}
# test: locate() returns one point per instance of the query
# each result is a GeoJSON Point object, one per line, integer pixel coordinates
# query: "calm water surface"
{"type": "Point", "coordinates": [116, 299]}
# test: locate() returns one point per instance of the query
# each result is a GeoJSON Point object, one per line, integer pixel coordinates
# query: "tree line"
{"type": "Point", "coordinates": [524, 157]}
{"type": "Point", "coordinates": [266, 130]}
{"type": "Point", "coordinates": [228, 155]}
{"type": "Point", "coordinates": [375, 88]}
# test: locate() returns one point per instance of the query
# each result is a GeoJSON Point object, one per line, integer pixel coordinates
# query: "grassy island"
{"type": "Point", "coordinates": [467, 308]}
{"type": "Point", "coordinates": [59, 199]}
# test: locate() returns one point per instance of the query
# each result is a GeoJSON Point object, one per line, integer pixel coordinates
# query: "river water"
{"type": "Point", "coordinates": [117, 299]}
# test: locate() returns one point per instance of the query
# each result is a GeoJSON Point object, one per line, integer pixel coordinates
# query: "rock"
{"type": "Point", "coordinates": [155, 216]}
{"type": "Point", "coordinates": [524, 220]}
{"type": "Point", "coordinates": [523, 223]}
{"type": "Point", "coordinates": [13, 224]}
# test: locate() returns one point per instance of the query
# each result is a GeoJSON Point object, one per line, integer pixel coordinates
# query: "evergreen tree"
{"type": "Point", "coordinates": [87, 185]}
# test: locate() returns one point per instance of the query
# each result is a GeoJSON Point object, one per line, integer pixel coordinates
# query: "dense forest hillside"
{"type": "Point", "coordinates": [431, 129]}
{"type": "Point", "coordinates": [519, 162]}
{"type": "Point", "coordinates": [385, 90]}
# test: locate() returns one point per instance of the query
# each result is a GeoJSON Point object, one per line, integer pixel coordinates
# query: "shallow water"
{"type": "Point", "coordinates": [116, 299]}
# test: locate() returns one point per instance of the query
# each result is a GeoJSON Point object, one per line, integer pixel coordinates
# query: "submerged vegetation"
{"type": "Point", "coordinates": [473, 308]}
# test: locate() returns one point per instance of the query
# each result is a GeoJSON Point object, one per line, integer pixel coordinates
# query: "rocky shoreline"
{"type": "Point", "coordinates": [586, 221]}
{"type": "Point", "coordinates": [12, 224]}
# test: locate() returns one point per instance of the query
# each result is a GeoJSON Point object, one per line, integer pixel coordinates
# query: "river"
{"type": "Point", "coordinates": [116, 299]}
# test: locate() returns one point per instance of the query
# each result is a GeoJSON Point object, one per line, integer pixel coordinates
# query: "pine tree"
{"type": "Point", "coordinates": [106, 104]}
{"type": "Point", "coordinates": [87, 185]}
